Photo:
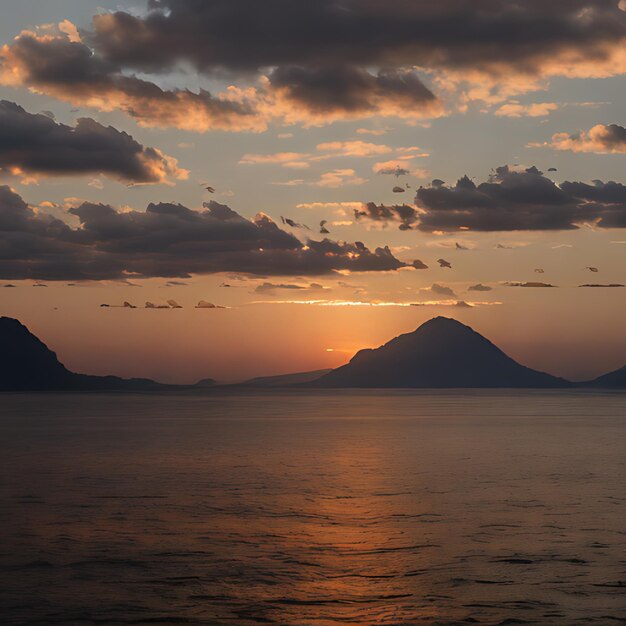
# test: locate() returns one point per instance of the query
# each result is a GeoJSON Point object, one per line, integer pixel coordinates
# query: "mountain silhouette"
{"type": "Point", "coordinates": [612, 380]}
{"type": "Point", "coordinates": [27, 364]}
{"type": "Point", "coordinates": [442, 353]}
{"type": "Point", "coordinates": [285, 380]}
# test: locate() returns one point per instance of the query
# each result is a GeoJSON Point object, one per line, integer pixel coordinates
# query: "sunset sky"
{"type": "Point", "coordinates": [371, 164]}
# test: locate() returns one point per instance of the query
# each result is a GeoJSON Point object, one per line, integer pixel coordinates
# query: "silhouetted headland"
{"type": "Point", "coordinates": [27, 364]}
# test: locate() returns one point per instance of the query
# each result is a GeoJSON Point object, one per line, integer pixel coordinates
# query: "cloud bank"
{"type": "Point", "coordinates": [317, 62]}
{"type": "Point", "coordinates": [167, 240]}
{"type": "Point", "coordinates": [514, 200]}
{"type": "Point", "coordinates": [511, 200]}
{"type": "Point", "coordinates": [37, 145]}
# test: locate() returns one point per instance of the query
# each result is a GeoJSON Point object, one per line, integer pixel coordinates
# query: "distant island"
{"type": "Point", "coordinates": [441, 354]}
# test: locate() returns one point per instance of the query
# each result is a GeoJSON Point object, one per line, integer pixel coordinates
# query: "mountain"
{"type": "Point", "coordinates": [285, 380]}
{"type": "Point", "coordinates": [442, 353]}
{"type": "Point", "coordinates": [27, 364]}
{"type": "Point", "coordinates": [613, 380]}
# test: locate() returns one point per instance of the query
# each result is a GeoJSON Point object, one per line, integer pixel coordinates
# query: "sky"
{"type": "Point", "coordinates": [274, 185]}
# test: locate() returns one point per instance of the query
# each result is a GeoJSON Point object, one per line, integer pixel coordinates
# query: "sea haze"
{"type": "Point", "coordinates": [314, 507]}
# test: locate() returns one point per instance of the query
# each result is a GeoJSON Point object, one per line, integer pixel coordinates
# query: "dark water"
{"type": "Point", "coordinates": [326, 508]}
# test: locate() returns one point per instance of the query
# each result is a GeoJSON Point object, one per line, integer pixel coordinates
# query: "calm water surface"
{"type": "Point", "coordinates": [314, 509]}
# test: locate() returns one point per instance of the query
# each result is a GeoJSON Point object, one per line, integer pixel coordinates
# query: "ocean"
{"type": "Point", "coordinates": [314, 508]}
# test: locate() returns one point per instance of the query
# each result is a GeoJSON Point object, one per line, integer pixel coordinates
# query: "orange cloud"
{"type": "Point", "coordinates": [537, 109]}
{"type": "Point", "coordinates": [601, 139]}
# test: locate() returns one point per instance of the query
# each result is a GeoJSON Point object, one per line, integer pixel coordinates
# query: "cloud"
{"type": "Point", "coordinates": [442, 290]}
{"type": "Point", "coordinates": [331, 180]}
{"type": "Point", "coordinates": [375, 132]}
{"type": "Point", "coordinates": [353, 148]}
{"type": "Point", "coordinates": [530, 285]}
{"type": "Point", "coordinates": [270, 288]}
{"type": "Point", "coordinates": [390, 168]}
{"type": "Point", "coordinates": [401, 167]}
{"type": "Point", "coordinates": [381, 303]}
{"type": "Point", "coordinates": [406, 215]}
{"type": "Point", "coordinates": [601, 139]}
{"type": "Point", "coordinates": [151, 305]}
{"type": "Point", "coordinates": [602, 203]}
{"type": "Point", "coordinates": [203, 304]}
{"type": "Point", "coordinates": [538, 109]}
{"type": "Point", "coordinates": [280, 158]}
{"type": "Point", "coordinates": [36, 144]}
{"type": "Point", "coordinates": [317, 62]}
{"type": "Point", "coordinates": [480, 287]}
{"type": "Point", "coordinates": [461, 304]}
{"type": "Point", "coordinates": [324, 152]}
{"type": "Point", "coordinates": [603, 286]}
{"type": "Point", "coordinates": [166, 240]}
{"type": "Point", "coordinates": [336, 206]}
{"type": "Point", "coordinates": [318, 94]}
{"type": "Point", "coordinates": [536, 38]}
{"type": "Point", "coordinates": [519, 199]}
{"type": "Point", "coordinates": [511, 246]}
{"type": "Point", "coordinates": [68, 70]}
{"type": "Point", "coordinates": [562, 37]}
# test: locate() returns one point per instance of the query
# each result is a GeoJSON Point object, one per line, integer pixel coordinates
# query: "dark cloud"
{"type": "Point", "coordinates": [491, 35]}
{"type": "Point", "coordinates": [36, 144]}
{"type": "Point", "coordinates": [403, 213]}
{"type": "Point", "coordinates": [167, 240]}
{"type": "Point", "coordinates": [520, 200]}
{"type": "Point", "coordinates": [322, 90]}
{"type": "Point", "coordinates": [397, 171]}
{"type": "Point", "coordinates": [614, 138]}
{"type": "Point", "coordinates": [480, 287]}
{"type": "Point", "coordinates": [69, 70]}
{"type": "Point", "coordinates": [529, 284]}
{"type": "Point", "coordinates": [606, 202]}
{"type": "Point", "coordinates": [442, 290]}
{"type": "Point", "coordinates": [603, 286]}
{"type": "Point", "coordinates": [323, 60]}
